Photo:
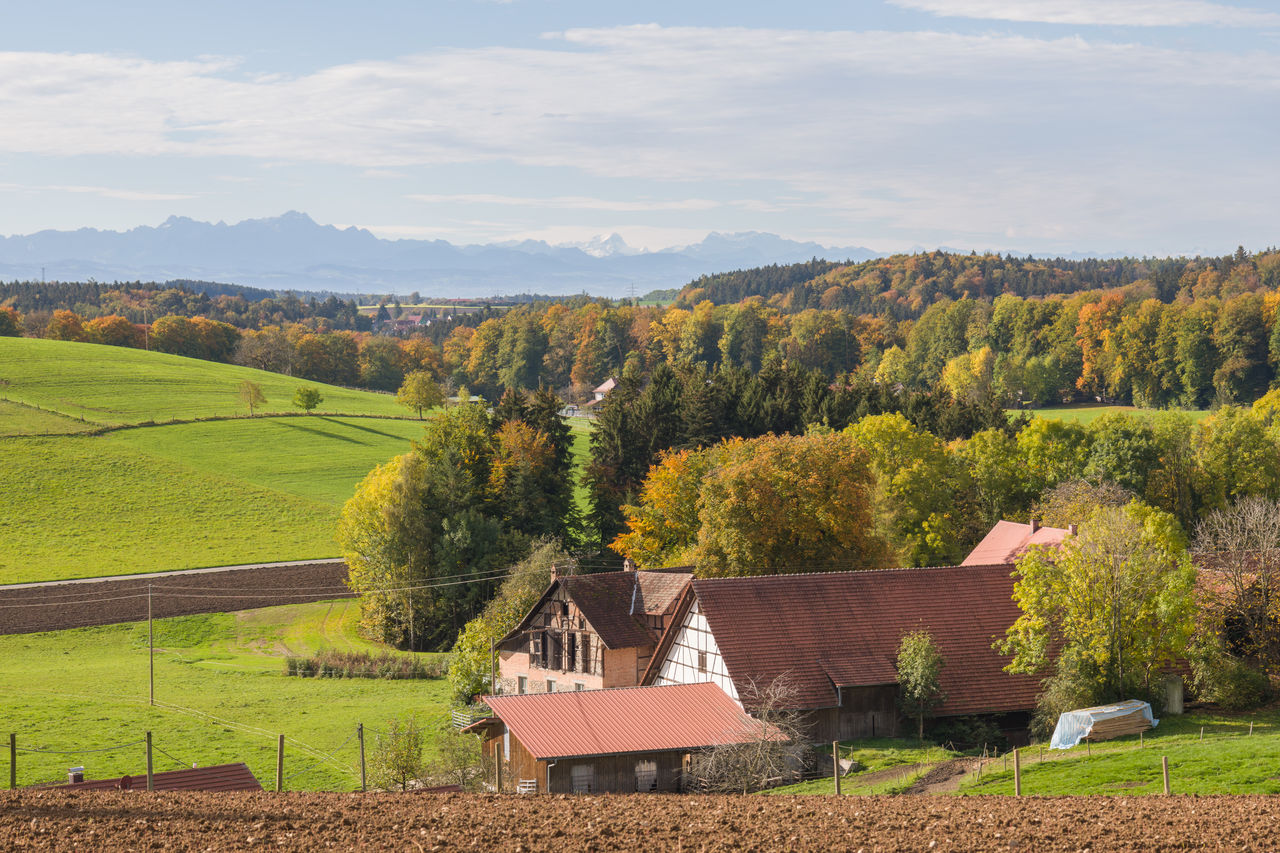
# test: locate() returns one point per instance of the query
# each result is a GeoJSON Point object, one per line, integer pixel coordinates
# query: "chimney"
{"type": "Point", "coordinates": [75, 774]}
{"type": "Point", "coordinates": [1035, 524]}
{"type": "Point", "coordinates": [628, 565]}
{"type": "Point", "coordinates": [555, 572]}
{"type": "Point", "coordinates": [1072, 530]}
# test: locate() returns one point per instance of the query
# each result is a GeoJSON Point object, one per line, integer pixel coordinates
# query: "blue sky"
{"type": "Point", "coordinates": [1138, 126]}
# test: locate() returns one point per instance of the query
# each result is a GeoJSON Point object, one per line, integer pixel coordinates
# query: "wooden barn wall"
{"type": "Point", "coordinates": [864, 712]}
{"type": "Point", "coordinates": [616, 774]}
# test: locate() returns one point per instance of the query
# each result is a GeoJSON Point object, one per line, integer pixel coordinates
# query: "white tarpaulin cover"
{"type": "Point", "coordinates": [1074, 726]}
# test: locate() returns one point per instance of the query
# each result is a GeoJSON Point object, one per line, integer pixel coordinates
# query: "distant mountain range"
{"type": "Point", "coordinates": [293, 252]}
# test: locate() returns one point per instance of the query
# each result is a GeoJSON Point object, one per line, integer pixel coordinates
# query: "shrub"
{"type": "Point", "coordinates": [330, 663]}
{"type": "Point", "coordinates": [1228, 682]}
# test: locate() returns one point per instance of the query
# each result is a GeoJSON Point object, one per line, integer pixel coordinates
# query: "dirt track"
{"type": "Point", "coordinates": [75, 604]}
{"type": "Point", "coordinates": [35, 820]}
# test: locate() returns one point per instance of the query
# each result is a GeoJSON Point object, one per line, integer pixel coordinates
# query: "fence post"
{"type": "Point", "coordinates": [1251, 728]}
{"type": "Point", "coordinates": [1164, 764]}
{"type": "Point", "coordinates": [363, 780]}
{"type": "Point", "coordinates": [151, 782]}
{"type": "Point", "coordinates": [835, 763]}
{"type": "Point", "coordinates": [280, 764]}
{"type": "Point", "coordinates": [1017, 773]}
{"type": "Point", "coordinates": [13, 760]}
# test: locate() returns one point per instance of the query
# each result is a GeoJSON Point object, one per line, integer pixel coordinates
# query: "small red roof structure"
{"type": "Point", "coordinates": [830, 630]}
{"type": "Point", "coordinates": [1008, 540]}
{"type": "Point", "coordinates": [674, 717]}
{"type": "Point", "coordinates": [220, 777]}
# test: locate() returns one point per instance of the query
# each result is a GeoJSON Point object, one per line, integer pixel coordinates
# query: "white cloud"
{"type": "Point", "coordinates": [892, 132]}
{"type": "Point", "coordinates": [1116, 13]}
{"type": "Point", "coordinates": [104, 192]}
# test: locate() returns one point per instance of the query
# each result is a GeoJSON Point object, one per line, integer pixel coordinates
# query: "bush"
{"type": "Point", "coordinates": [967, 733]}
{"type": "Point", "coordinates": [1228, 682]}
{"type": "Point", "coordinates": [329, 663]}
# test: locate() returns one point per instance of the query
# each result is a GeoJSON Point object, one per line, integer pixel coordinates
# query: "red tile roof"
{"type": "Point", "coordinates": [842, 629]}
{"type": "Point", "coordinates": [1005, 542]}
{"type": "Point", "coordinates": [221, 777]}
{"type": "Point", "coordinates": [623, 720]}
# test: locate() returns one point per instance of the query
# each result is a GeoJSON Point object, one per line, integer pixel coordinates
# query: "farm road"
{"type": "Point", "coordinates": [53, 606]}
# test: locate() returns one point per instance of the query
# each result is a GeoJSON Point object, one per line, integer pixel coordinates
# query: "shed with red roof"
{"type": "Point", "coordinates": [609, 741]}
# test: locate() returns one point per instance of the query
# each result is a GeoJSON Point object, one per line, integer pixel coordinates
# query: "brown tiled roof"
{"type": "Point", "coordinates": [1005, 542]}
{"type": "Point", "coordinates": [616, 602]}
{"type": "Point", "coordinates": [583, 723]}
{"type": "Point", "coordinates": [826, 628]}
{"type": "Point", "coordinates": [221, 777]}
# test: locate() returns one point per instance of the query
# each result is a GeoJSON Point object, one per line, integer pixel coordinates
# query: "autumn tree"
{"type": "Point", "coordinates": [419, 392]}
{"type": "Point", "coordinates": [251, 395]}
{"type": "Point", "coordinates": [919, 666]}
{"type": "Point", "coordinates": [114, 330]}
{"type": "Point", "coordinates": [768, 505]}
{"type": "Point", "coordinates": [66, 326]}
{"type": "Point", "coordinates": [307, 397]}
{"type": "Point", "coordinates": [1112, 604]}
{"type": "Point", "coordinates": [10, 322]}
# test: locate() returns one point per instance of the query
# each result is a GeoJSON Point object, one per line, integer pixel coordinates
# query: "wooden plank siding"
{"type": "Point", "coordinates": [610, 774]}
{"type": "Point", "coordinates": [863, 712]}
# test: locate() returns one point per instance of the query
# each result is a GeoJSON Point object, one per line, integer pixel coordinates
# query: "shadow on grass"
{"type": "Point", "coordinates": [326, 433]}
{"type": "Point", "coordinates": [364, 428]}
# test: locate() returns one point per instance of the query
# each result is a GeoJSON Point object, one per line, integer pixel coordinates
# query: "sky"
{"type": "Point", "coordinates": [1144, 127]}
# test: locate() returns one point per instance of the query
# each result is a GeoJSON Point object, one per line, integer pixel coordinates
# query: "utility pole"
{"type": "Point", "coordinates": [151, 647]}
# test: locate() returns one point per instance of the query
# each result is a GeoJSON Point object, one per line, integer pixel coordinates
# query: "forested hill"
{"type": "Point", "coordinates": [904, 286]}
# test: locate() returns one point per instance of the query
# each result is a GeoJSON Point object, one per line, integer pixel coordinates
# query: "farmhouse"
{"type": "Point", "coordinates": [1009, 540]}
{"type": "Point", "coordinates": [608, 741]}
{"type": "Point", "coordinates": [834, 637]}
{"type": "Point", "coordinates": [590, 631]}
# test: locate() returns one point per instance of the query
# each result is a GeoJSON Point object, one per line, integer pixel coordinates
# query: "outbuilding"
{"type": "Point", "coordinates": [633, 739]}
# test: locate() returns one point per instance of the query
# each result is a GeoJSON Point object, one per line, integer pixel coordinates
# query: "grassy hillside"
{"type": "Point", "coordinates": [221, 696]}
{"type": "Point", "coordinates": [115, 385]}
{"type": "Point", "coordinates": [172, 496]}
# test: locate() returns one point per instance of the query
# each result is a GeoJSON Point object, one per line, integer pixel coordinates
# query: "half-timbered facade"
{"type": "Point", "coordinates": [589, 632]}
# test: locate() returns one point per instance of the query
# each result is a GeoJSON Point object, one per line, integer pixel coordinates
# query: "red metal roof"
{"type": "Point", "coordinates": [1005, 542]}
{"type": "Point", "coordinates": [220, 777]}
{"type": "Point", "coordinates": [623, 720]}
{"type": "Point", "coordinates": [842, 629]}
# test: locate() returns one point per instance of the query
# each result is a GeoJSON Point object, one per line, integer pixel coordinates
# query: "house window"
{"type": "Point", "coordinates": [702, 661]}
{"type": "Point", "coordinates": [522, 684]}
{"type": "Point", "coordinates": [578, 685]}
{"type": "Point", "coordinates": [584, 778]}
{"type": "Point", "coordinates": [551, 685]}
{"type": "Point", "coordinates": [571, 652]}
{"type": "Point", "coordinates": [586, 652]}
{"type": "Point", "coordinates": [646, 775]}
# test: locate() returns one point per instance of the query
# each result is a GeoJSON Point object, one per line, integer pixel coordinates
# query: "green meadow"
{"type": "Point", "coordinates": [1085, 413]}
{"type": "Point", "coordinates": [221, 696]}
{"type": "Point", "coordinates": [173, 495]}
{"type": "Point", "coordinates": [111, 386]}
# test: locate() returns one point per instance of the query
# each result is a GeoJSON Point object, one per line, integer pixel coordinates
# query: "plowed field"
{"type": "Point", "coordinates": [52, 820]}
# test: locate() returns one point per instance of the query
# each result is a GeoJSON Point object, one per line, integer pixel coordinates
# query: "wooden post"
{"type": "Point", "coordinates": [835, 764]}
{"type": "Point", "coordinates": [13, 760]}
{"type": "Point", "coordinates": [151, 781]}
{"type": "Point", "coordinates": [1164, 764]}
{"type": "Point", "coordinates": [280, 764]}
{"type": "Point", "coordinates": [1202, 733]}
{"type": "Point", "coordinates": [363, 779]}
{"type": "Point", "coordinates": [497, 766]}
{"type": "Point", "coordinates": [1017, 773]}
{"type": "Point", "coordinates": [1140, 740]}
{"type": "Point", "coordinates": [1251, 728]}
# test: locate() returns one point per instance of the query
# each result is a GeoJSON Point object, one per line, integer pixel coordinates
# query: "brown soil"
{"type": "Point", "coordinates": [49, 820]}
{"type": "Point", "coordinates": [55, 606]}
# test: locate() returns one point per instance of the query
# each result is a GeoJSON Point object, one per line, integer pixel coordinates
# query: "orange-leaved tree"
{"type": "Point", "coordinates": [768, 505]}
